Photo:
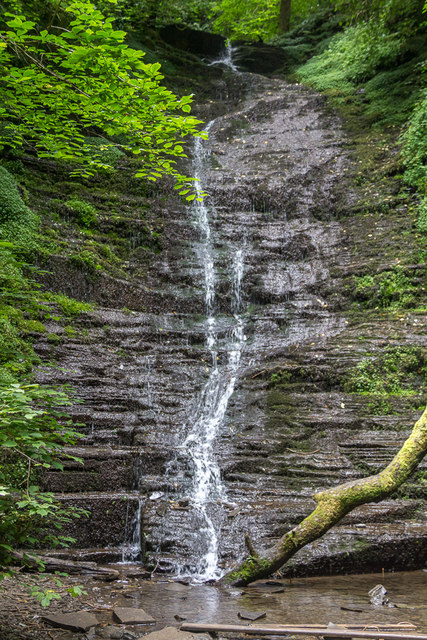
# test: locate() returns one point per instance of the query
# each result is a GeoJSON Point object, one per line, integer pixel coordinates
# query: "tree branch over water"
{"type": "Point", "coordinates": [332, 505]}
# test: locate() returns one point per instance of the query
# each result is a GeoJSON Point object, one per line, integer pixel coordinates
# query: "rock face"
{"type": "Point", "coordinates": [279, 187]}
{"type": "Point", "coordinates": [258, 57]}
{"type": "Point", "coordinates": [201, 43]}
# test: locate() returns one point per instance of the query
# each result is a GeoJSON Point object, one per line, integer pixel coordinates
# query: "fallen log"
{"type": "Point", "coordinates": [399, 626]}
{"type": "Point", "coordinates": [51, 565]}
{"type": "Point", "coordinates": [275, 630]}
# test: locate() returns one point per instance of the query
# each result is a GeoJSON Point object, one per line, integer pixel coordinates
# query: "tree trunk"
{"type": "Point", "coordinates": [52, 565]}
{"type": "Point", "coordinates": [285, 15]}
{"type": "Point", "coordinates": [332, 505]}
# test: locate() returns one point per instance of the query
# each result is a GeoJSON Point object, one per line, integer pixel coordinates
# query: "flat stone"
{"type": "Point", "coordinates": [76, 621]}
{"type": "Point", "coordinates": [130, 615]}
{"type": "Point", "coordinates": [170, 633]}
{"type": "Point", "coordinates": [251, 615]}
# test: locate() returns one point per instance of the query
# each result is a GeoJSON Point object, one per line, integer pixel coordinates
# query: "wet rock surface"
{"type": "Point", "coordinates": [172, 633]}
{"type": "Point", "coordinates": [200, 43]}
{"type": "Point", "coordinates": [279, 177]}
{"type": "Point", "coordinates": [258, 57]}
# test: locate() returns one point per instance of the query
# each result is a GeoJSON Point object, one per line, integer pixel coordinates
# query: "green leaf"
{"type": "Point", "coordinates": [9, 443]}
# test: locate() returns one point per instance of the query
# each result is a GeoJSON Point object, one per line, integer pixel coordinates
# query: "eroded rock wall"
{"type": "Point", "coordinates": [280, 184]}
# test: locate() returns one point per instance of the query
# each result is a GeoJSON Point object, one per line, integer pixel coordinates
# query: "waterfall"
{"type": "Point", "coordinates": [226, 59]}
{"type": "Point", "coordinates": [195, 446]}
{"type": "Point", "coordinates": [131, 550]}
{"type": "Point", "coordinates": [208, 413]}
{"type": "Point", "coordinates": [131, 547]}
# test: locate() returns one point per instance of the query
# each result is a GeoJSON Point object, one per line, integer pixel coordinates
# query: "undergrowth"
{"type": "Point", "coordinates": [376, 68]}
{"type": "Point", "coordinates": [397, 371]}
{"type": "Point", "coordinates": [352, 57]}
{"type": "Point", "coordinates": [17, 222]}
{"type": "Point", "coordinates": [414, 153]}
{"type": "Point", "coordinates": [33, 425]}
{"type": "Point", "coordinates": [387, 290]}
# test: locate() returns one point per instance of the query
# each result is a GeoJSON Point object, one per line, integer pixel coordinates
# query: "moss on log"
{"type": "Point", "coordinates": [332, 505]}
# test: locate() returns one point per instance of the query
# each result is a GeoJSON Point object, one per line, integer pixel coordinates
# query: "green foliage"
{"type": "Point", "coordinates": [19, 316]}
{"type": "Point", "coordinates": [45, 596]}
{"type": "Point", "coordinates": [391, 94]}
{"type": "Point", "coordinates": [82, 78]}
{"type": "Point", "coordinates": [33, 425]}
{"type": "Point", "coordinates": [254, 19]}
{"type": "Point", "coordinates": [103, 152]}
{"type": "Point", "coordinates": [387, 290]}
{"type": "Point", "coordinates": [157, 13]}
{"type": "Point", "coordinates": [379, 407]}
{"type": "Point", "coordinates": [34, 430]}
{"type": "Point", "coordinates": [422, 215]}
{"type": "Point", "coordinates": [84, 213]}
{"type": "Point", "coordinates": [70, 307]}
{"type": "Point", "coordinates": [397, 371]}
{"type": "Point", "coordinates": [351, 57]}
{"type": "Point", "coordinates": [414, 154]}
{"type": "Point", "coordinates": [281, 377]}
{"type": "Point", "coordinates": [309, 37]}
{"type": "Point", "coordinates": [17, 221]}
{"type": "Point", "coordinates": [247, 19]}
{"type": "Point", "coordinates": [404, 13]}
{"type": "Point", "coordinates": [86, 260]}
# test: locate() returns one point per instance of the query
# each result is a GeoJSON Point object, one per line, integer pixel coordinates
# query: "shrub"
{"type": "Point", "coordinates": [34, 430]}
{"type": "Point", "coordinates": [397, 371]}
{"type": "Point", "coordinates": [83, 212]}
{"type": "Point", "coordinates": [351, 57]}
{"type": "Point", "coordinates": [17, 221]}
{"type": "Point", "coordinates": [414, 150]}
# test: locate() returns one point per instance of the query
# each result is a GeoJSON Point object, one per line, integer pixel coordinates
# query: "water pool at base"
{"type": "Point", "coordinates": [298, 601]}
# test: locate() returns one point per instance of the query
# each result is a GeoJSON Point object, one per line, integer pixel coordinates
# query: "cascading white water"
{"type": "Point", "coordinates": [226, 59]}
{"type": "Point", "coordinates": [209, 411]}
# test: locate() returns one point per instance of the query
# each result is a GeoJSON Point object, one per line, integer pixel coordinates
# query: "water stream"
{"type": "Point", "coordinates": [210, 407]}
{"type": "Point", "coordinates": [195, 447]}
{"type": "Point", "coordinates": [337, 599]}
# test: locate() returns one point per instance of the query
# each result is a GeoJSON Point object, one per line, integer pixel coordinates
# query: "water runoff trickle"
{"type": "Point", "coordinates": [132, 545]}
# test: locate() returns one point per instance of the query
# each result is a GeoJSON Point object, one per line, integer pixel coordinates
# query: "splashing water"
{"type": "Point", "coordinates": [226, 59]}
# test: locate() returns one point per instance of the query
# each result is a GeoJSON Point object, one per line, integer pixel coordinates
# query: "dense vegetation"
{"type": "Point", "coordinates": [74, 91]}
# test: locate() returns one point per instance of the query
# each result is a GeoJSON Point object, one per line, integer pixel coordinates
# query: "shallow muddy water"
{"type": "Point", "coordinates": [309, 600]}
